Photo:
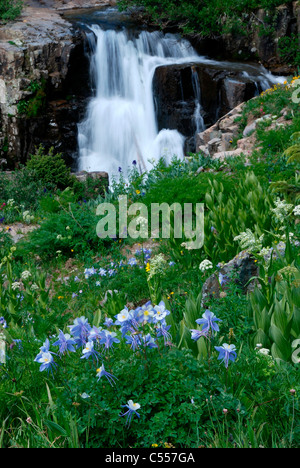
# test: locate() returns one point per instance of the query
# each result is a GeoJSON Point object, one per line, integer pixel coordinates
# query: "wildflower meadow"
{"type": "Point", "coordinates": [121, 342]}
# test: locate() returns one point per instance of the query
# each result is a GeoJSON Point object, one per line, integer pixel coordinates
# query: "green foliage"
{"type": "Point", "coordinates": [50, 169]}
{"type": "Point", "coordinates": [248, 206]}
{"type": "Point", "coordinates": [10, 9]}
{"type": "Point", "coordinates": [275, 307]}
{"type": "Point", "coordinates": [67, 232]}
{"type": "Point", "coordinates": [293, 152]}
{"type": "Point", "coordinates": [289, 49]}
{"type": "Point", "coordinates": [208, 18]}
{"type": "Point", "coordinates": [33, 106]}
{"type": "Point", "coordinates": [22, 187]}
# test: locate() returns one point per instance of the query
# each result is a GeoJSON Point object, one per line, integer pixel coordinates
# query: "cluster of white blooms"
{"type": "Point", "coordinates": [205, 265]}
{"type": "Point", "coordinates": [262, 350]}
{"type": "Point", "coordinates": [248, 241]}
{"type": "Point", "coordinates": [27, 217]}
{"type": "Point", "coordinates": [25, 275]}
{"type": "Point", "coordinates": [158, 266]}
{"type": "Point", "coordinates": [10, 202]}
{"type": "Point", "coordinates": [16, 286]}
{"type": "Point", "coordinates": [281, 210]}
{"type": "Point", "coordinates": [296, 210]}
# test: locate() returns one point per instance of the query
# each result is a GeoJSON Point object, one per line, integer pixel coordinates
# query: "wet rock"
{"type": "Point", "coordinates": [176, 97]}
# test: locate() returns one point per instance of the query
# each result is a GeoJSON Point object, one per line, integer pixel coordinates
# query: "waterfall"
{"type": "Point", "coordinates": [120, 125]}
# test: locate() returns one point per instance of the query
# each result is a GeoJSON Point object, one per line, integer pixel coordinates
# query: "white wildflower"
{"type": "Point", "coordinates": [248, 241]}
{"type": "Point", "coordinates": [205, 265]}
{"type": "Point", "coordinates": [281, 210]}
{"type": "Point", "coordinates": [264, 351]}
{"type": "Point", "coordinates": [296, 210]}
{"type": "Point", "coordinates": [25, 275]}
{"type": "Point", "coordinates": [158, 266]}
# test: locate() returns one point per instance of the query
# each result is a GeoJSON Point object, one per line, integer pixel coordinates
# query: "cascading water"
{"type": "Point", "coordinates": [120, 125]}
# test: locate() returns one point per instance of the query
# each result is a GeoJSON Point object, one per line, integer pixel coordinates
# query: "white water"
{"type": "Point", "coordinates": [120, 125]}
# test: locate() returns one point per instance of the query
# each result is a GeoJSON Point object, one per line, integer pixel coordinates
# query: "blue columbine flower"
{"type": "Point", "coordinates": [196, 334]}
{"type": "Point", "coordinates": [46, 361]}
{"type": "Point", "coordinates": [101, 372]}
{"type": "Point", "coordinates": [227, 353]}
{"type": "Point", "coordinates": [43, 349]}
{"type": "Point", "coordinates": [80, 330]}
{"type": "Point", "coordinates": [149, 341]}
{"type": "Point", "coordinates": [108, 322]}
{"type": "Point", "coordinates": [88, 272]}
{"type": "Point", "coordinates": [163, 330]}
{"type": "Point", "coordinates": [134, 341]}
{"type": "Point", "coordinates": [132, 262]}
{"type": "Point", "coordinates": [65, 343]}
{"type": "Point", "coordinates": [123, 316]}
{"type": "Point", "coordinates": [108, 339]}
{"type": "Point", "coordinates": [45, 357]}
{"type": "Point", "coordinates": [132, 410]}
{"type": "Point", "coordinates": [95, 334]}
{"type": "Point", "coordinates": [160, 312]}
{"type": "Point", "coordinates": [89, 351]}
{"type": "Point", "coordinates": [208, 321]}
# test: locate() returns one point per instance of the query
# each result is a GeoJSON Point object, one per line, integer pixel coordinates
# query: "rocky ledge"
{"type": "Point", "coordinates": [44, 81]}
{"type": "Point", "coordinates": [225, 138]}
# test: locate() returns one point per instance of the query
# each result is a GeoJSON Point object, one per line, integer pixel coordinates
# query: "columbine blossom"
{"type": "Point", "coordinates": [208, 321]}
{"type": "Point", "coordinates": [95, 334]}
{"type": "Point", "coordinates": [162, 329]}
{"type": "Point", "coordinates": [88, 272]}
{"type": "Point", "coordinates": [149, 341]}
{"type": "Point", "coordinates": [227, 353]}
{"type": "Point", "coordinates": [108, 322]}
{"type": "Point", "coordinates": [45, 357]}
{"type": "Point", "coordinates": [196, 334]}
{"type": "Point", "coordinates": [65, 343]}
{"type": "Point", "coordinates": [145, 313]}
{"type": "Point", "coordinates": [108, 339]}
{"type": "Point", "coordinates": [132, 410]}
{"type": "Point", "coordinates": [132, 261]}
{"type": "Point", "coordinates": [80, 330]}
{"type": "Point", "coordinates": [160, 312]}
{"type": "Point", "coordinates": [123, 316]}
{"type": "Point", "coordinates": [46, 360]}
{"type": "Point", "coordinates": [101, 372]}
{"type": "Point", "coordinates": [134, 341]}
{"type": "Point", "coordinates": [89, 351]}
{"type": "Point", "coordinates": [43, 349]}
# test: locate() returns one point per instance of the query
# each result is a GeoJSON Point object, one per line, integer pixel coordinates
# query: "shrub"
{"type": "Point", "coordinates": [50, 169]}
